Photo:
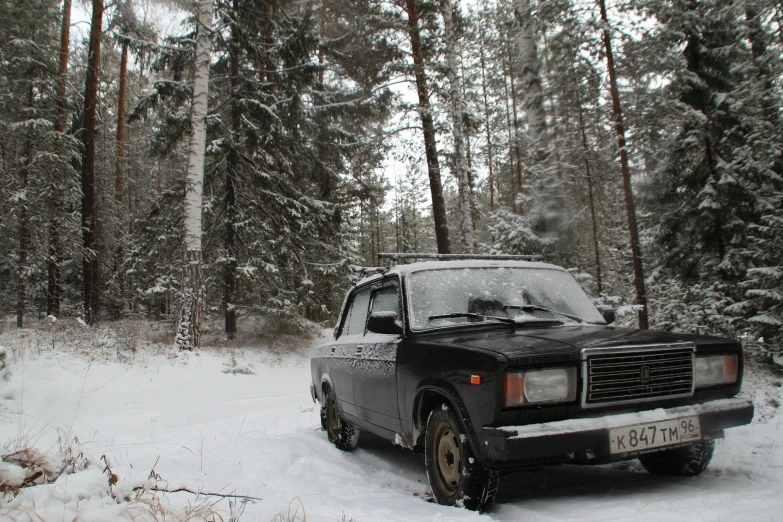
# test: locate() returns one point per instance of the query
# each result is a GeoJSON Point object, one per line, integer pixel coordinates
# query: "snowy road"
{"type": "Point", "coordinates": [258, 435]}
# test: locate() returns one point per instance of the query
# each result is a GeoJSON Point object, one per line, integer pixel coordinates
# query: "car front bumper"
{"type": "Point", "coordinates": [586, 440]}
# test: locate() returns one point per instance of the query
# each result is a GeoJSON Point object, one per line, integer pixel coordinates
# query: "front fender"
{"type": "Point", "coordinates": [431, 392]}
{"type": "Point", "coordinates": [325, 380]}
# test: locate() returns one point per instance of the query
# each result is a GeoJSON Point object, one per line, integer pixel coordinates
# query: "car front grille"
{"type": "Point", "coordinates": [637, 374]}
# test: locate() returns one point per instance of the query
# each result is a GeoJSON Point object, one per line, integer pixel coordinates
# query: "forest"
{"type": "Point", "coordinates": [238, 163]}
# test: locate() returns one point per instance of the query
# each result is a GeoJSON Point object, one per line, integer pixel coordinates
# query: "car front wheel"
{"type": "Point", "coordinates": [687, 461]}
{"type": "Point", "coordinates": [341, 433]}
{"type": "Point", "coordinates": [455, 476]}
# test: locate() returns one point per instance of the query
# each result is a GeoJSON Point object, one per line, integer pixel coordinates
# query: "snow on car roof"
{"type": "Point", "coordinates": [465, 263]}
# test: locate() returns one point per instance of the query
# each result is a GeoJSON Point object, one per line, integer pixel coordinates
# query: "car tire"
{"type": "Point", "coordinates": [323, 417]}
{"type": "Point", "coordinates": [687, 461]}
{"type": "Point", "coordinates": [341, 433]}
{"type": "Point", "coordinates": [455, 475]}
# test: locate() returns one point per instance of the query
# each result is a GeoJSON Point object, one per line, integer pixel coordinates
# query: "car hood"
{"type": "Point", "coordinates": [563, 341]}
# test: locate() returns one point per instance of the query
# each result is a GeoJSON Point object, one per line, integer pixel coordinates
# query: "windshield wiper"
{"type": "Point", "coordinates": [471, 315]}
{"type": "Point", "coordinates": [532, 308]}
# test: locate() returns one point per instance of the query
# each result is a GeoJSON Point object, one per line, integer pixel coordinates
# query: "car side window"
{"type": "Point", "coordinates": [357, 315]}
{"type": "Point", "coordinates": [386, 300]}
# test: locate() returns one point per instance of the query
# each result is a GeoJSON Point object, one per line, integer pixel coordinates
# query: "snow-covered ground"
{"type": "Point", "coordinates": [241, 421]}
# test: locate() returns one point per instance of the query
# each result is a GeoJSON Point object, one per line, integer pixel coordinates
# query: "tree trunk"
{"type": "Point", "coordinates": [510, 139]}
{"type": "Point", "coordinates": [230, 198]}
{"type": "Point", "coordinates": [517, 149]}
{"type": "Point", "coordinates": [192, 296]}
{"type": "Point", "coordinates": [474, 215]}
{"type": "Point", "coordinates": [322, 36]}
{"type": "Point", "coordinates": [490, 179]}
{"type": "Point", "coordinates": [119, 186]}
{"type": "Point", "coordinates": [590, 200]}
{"type": "Point", "coordinates": [428, 127]}
{"type": "Point", "coordinates": [398, 245]}
{"type": "Point", "coordinates": [457, 122]}
{"type": "Point", "coordinates": [531, 80]}
{"type": "Point", "coordinates": [324, 133]}
{"type": "Point", "coordinates": [89, 218]}
{"type": "Point", "coordinates": [717, 226]}
{"type": "Point", "coordinates": [53, 261]}
{"type": "Point", "coordinates": [65, 44]}
{"type": "Point", "coordinates": [636, 249]}
{"type": "Point", "coordinates": [119, 179]}
{"type": "Point", "coordinates": [377, 234]}
{"type": "Point", "coordinates": [24, 230]}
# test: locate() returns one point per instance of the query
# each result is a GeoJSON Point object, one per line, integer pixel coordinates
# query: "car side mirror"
{"type": "Point", "coordinates": [608, 313]}
{"type": "Point", "coordinates": [384, 323]}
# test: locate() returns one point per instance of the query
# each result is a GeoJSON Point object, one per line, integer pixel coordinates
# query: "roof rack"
{"type": "Point", "coordinates": [393, 257]}
{"type": "Point", "coordinates": [366, 271]}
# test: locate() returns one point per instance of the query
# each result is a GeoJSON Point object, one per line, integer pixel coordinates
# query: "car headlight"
{"type": "Point", "coordinates": [712, 370]}
{"type": "Point", "coordinates": [539, 387]}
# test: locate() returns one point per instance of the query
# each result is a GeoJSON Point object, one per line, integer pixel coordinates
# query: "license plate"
{"type": "Point", "coordinates": [640, 437]}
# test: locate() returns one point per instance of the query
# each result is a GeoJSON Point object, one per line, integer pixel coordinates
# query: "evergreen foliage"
{"type": "Point", "coordinates": [316, 159]}
{"type": "Point", "coordinates": [38, 178]}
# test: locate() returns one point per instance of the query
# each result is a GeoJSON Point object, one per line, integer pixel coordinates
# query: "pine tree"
{"type": "Point", "coordinates": [630, 208]}
{"type": "Point", "coordinates": [413, 12]}
{"type": "Point", "coordinates": [90, 274]}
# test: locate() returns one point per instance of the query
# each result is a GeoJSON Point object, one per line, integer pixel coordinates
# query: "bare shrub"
{"type": "Point", "coordinates": [291, 516]}
{"type": "Point", "coordinates": [22, 467]}
{"type": "Point", "coordinates": [147, 506]}
{"type": "Point", "coordinates": [128, 335]}
{"type": "Point", "coordinates": [238, 367]}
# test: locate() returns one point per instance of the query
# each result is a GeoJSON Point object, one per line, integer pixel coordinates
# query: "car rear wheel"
{"type": "Point", "coordinates": [455, 476]}
{"type": "Point", "coordinates": [341, 433]}
{"type": "Point", "coordinates": [687, 461]}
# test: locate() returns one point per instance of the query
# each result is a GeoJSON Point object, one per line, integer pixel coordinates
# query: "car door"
{"type": "Point", "coordinates": [341, 352]}
{"type": "Point", "coordinates": [375, 364]}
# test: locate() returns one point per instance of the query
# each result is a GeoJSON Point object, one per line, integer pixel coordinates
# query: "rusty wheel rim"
{"type": "Point", "coordinates": [448, 457]}
{"type": "Point", "coordinates": [333, 419]}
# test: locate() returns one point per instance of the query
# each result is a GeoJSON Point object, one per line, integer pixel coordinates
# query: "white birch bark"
{"type": "Point", "coordinates": [189, 331]}
{"type": "Point", "coordinates": [537, 131]}
{"type": "Point", "coordinates": [198, 118]}
{"type": "Point", "coordinates": [545, 207]}
{"type": "Point", "coordinates": [457, 112]}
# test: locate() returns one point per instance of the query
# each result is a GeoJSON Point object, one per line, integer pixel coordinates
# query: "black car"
{"type": "Point", "coordinates": [491, 365]}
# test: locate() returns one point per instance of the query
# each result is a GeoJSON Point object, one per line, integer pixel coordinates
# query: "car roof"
{"type": "Point", "coordinates": [410, 268]}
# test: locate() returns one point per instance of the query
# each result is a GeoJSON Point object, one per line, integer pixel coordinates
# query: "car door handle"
{"type": "Point", "coordinates": [359, 350]}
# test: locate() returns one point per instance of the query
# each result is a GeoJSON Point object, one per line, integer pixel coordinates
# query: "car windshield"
{"type": "Point", "coordinates": [453, 296]}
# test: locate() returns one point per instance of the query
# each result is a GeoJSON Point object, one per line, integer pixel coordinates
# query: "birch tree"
{"type": "Point", "coordinates": [192, 295]}
{"type": "Point", "coordinates": [543, 198]}
{"type": "Point", "coordinates": [537, 131]}
{"type": "Point", "coordinates": [458, 130]}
